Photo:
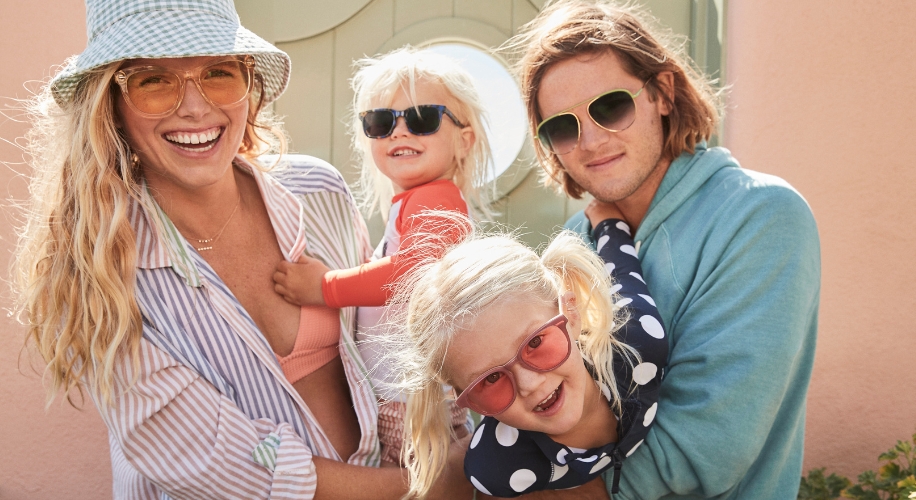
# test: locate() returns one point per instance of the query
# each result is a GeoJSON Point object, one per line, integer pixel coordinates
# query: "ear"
{"type": "Point", "coordinates": [466, 139]}
{"type": "Point", "coordinates": [665, 81]}
{"type": "Point", "coordinates": [569, 309]}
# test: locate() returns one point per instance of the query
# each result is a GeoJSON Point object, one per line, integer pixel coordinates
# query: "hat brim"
{"type": "Point", "coordinates": [172, 34]}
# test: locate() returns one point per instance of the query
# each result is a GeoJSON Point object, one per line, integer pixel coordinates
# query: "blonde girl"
{"type": "Point", "coordinates": [418, 131]}
{"type": "Point", "coordinates": [564, 365]}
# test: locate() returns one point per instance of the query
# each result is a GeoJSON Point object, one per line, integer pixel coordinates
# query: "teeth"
{"type": "Point", "coordinates": [194, 138]}
{"type": "Point", "coordinates": [405, 152]}
{"type": "Point", "coordinates": [548, 398]}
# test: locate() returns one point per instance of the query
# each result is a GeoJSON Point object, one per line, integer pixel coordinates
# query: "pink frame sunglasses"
{"type": "Point", "coordinates": [543, 350]}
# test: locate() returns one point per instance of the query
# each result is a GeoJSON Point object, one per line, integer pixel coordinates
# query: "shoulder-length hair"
{"type": "Point", "coordinates": [74, 271]}
{"type": "Point", "coordinates": [569, 28]}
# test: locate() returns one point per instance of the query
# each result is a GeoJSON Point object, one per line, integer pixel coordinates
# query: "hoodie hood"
{"type": "Point", "coordinates": [688, 173]}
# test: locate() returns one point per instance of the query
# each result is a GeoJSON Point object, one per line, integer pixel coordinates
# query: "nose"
{"type": "Point", "coordinates": [400, 128]}
{"type": "Point", "coordinates": [527, 382]}
{"type": "Point", "coordinates": [591, 136]}
{"type": "Point", "coordinates": [193, 103]}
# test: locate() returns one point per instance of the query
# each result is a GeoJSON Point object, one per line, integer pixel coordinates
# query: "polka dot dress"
{"type": "Point", "coordinates": [506, 462]}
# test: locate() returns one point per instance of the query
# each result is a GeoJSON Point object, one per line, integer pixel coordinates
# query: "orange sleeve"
{"type": "Point", "coordinates": [369, 284]}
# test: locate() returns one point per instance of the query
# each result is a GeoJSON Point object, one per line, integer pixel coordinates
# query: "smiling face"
{"type": "Point", "coordinates": [413, 160]}
{"type": "Point", "coordinates": [191, 148]}
{"type": "Point", "coordinates": [551, 402]}
{"type": "Point", "coordinates": [612, 166]}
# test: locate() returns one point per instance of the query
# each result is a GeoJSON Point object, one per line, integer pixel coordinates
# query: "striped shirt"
{"type": "Point", "coordinates": [211, 414]}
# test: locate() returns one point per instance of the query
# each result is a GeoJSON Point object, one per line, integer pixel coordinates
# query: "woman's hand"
{"type": "Point", "coordinates": [597, 211]}
{"type": "Point", "coordinates": [300, 283]}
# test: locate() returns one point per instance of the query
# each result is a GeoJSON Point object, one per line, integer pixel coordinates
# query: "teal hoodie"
{"type": "Point", "coordinates": [732, 259]}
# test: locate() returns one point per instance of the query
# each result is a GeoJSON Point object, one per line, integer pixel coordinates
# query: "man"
{"type": "Point", "coordinates": [731, 256]}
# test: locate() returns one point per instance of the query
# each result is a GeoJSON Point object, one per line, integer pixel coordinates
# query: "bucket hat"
{"type": "Point", "coordinates": [132, 29]}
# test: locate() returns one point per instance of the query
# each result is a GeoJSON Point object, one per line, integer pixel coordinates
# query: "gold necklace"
{"type": "Point", "coordinates": [205, 241]}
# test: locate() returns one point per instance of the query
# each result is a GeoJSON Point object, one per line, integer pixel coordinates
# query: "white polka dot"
{"type": "Point", "coordinates": [479, 486]}
{"type": "Point", "coordinates": [643, 373]}
{"type": "Point", "coordinates": [558, 472]}
{"type": "Point", "coordinates": [609, 267]}
{"type": "Point", "coordinates": [652, 326]}
{"type": "Point", "coordinates": [506, 435]}
{"type": "Point", "coordinates": [648, 299]}
{"type": "Point", "coordinates": [616, 288]}
{"type": "Point", "coordinates": [650, 415]}
{"type": "Point", "coordinates": [637, 276]}
{"type": "Point", "coordinates": [521, 480]}
{"type": "Point", "coordinates": [588, 459]}
{"type": "Point", "coordinates": [634, 448]}
{"type": "Point", "coordinates": [623, 227]}
{"type": "Point", "coordinates": [561, 456]}
{"type": "Point", "coordinates": [628, 249]}
{"type": "Point", "coordinates": [576, 450]}
{"type": "Point", "coordinates": [600, 465]}
{"type": "Point", "coordinates": [477, 436]}
{"type": "Point", "coordinates": [601, 242]}
{"type": "Point", "coordinates": [623, 302]}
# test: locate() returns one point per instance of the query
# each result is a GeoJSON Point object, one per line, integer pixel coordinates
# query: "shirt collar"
{"type": "Point", "coordinates": [160, 244]}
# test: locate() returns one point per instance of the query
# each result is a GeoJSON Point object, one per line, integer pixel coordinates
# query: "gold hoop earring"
{"type": "Point", "coordinates": [134, 161]}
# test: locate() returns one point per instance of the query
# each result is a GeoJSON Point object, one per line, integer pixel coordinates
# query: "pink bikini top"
{"type": "Point", "coordinates": [316, 342]}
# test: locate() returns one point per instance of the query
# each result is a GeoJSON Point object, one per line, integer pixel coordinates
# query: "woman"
{"type": "Point", "coordinates": [145, 267]}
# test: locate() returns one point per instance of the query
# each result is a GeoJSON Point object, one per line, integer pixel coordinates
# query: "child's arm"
{"type": "Point", "coordinates": [309, 282]}
{"type": "Point", "coordinates": [643, 331]}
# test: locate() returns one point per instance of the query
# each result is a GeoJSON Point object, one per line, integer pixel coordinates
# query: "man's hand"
{"type": "Point", "coordinates": [300, 283]}
{"type": "Point", "coordinates": [452, 483]}
{"type": "Point", "coordinates": [597, 211]}
{"type": "Point", "coordinates": [592, 490]}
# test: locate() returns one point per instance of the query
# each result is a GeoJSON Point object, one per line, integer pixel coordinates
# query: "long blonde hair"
{"type": "Point", "coordinates": [74, 270]}
{"type": "Point", "coordinates": [567, 28]}
{"type": "Point", "coordinates": [446, 295]}
{"type": "Point", "coordinates": [377, 80]}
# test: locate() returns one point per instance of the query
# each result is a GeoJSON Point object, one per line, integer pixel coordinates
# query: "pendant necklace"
{"type": "Point", "coordinates": [208, 242]}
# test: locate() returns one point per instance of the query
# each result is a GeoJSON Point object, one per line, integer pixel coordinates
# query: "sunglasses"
{"type": "Point", "coordinates": [423, 119]}
{"type": "Point", "coordinates": [155, 92]}
{"type": "Point", "coordinates": [613, 111]}
{"type": "Point", "coordinates": [544, 350]}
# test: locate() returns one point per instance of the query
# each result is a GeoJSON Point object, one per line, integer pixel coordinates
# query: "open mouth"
{"type": "Point", "coordinates": [196, 142]}
{"type": "Point", "coordinates": [549, 400]}
{"type": "Point", "coordinates": [405, 152]}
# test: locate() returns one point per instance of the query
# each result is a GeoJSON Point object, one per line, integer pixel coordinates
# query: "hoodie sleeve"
{"type": "Point", "coordinates": [743, 336]}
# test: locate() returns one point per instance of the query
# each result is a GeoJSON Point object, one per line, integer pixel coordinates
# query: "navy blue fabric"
{"type": "Point", "coordinates": [507, 462]}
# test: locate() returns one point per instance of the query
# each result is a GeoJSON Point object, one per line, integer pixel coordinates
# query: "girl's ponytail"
{"type": "Point", "coordinates": [429, 431]}
{"type": "Point", "coordinates": [583, 272]}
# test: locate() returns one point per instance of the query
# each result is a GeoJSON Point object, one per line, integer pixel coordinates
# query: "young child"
{"type": "Point", "coordinates": [419, 131]}
{"type": "Point", "coordinates": [565, 397]}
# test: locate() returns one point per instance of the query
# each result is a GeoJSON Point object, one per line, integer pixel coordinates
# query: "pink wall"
{"type": "Point", "coordinates": [825, 96]}
{"type": "Point", "coordinates": [61, 452]}
{"type": "Point", "coordinates": [822, 96]}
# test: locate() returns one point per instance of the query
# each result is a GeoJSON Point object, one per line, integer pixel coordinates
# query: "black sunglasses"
{"type": "Point", "coordinates": [424, 119]}
{"type": "Point", "coordinates": [613, 111]}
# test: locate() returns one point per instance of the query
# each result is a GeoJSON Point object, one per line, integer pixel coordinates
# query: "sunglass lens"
{"type": "Point", "coordinates": [614, 111]}
{"type": "Point", "coordinates": [547, 350]}
{"type": "Point", "coordinates": [225, 82]}
{"type": "Point", "coordinates": [560, 133]}
{"type": "Point", "coordinates": [423, 120]}
{"type": "Point", "coordinates": [491, 395]}
{"type": "Point", "coordinates": [153, 91]}
{"type": "Point", "coordinates": [377, 124]}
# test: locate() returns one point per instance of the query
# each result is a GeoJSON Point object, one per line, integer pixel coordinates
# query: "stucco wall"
{"type": "Point", "coordinates": [61, 452]}
{"type": "Point", "coordinates": [823, 96]}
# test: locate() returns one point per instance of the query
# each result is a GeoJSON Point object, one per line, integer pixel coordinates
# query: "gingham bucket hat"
{"type": "Point", "coordinates": [131, 29]}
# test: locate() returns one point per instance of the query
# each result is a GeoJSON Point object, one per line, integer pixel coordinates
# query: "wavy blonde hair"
{"type": "Point", "coordinates": [569, 28]}
{"type": "Point", "coordinates": [377, 80]}
{"type": "Point", "coordinates": [74, 270]}
{"type": "Point", "coordinates": [446, 295]}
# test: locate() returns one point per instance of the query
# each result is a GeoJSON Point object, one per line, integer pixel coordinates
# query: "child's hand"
{"type": "Point", "coordinates": [597, 211]}
{"type": "Point", "coordinates": [300, 283]}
